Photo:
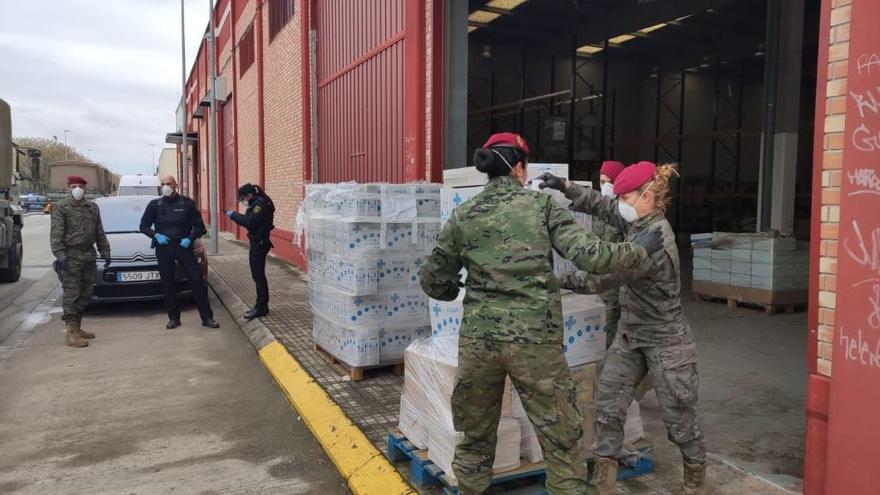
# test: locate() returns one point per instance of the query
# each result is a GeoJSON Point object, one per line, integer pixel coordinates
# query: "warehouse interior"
{"type": "Point", "coordinates": [725, 89]}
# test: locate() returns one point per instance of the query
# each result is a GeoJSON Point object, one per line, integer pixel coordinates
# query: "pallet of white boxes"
{"type": "Point", "coordinates": [431, 364]}
{"type": "Point", "coordinates": [366, 243]}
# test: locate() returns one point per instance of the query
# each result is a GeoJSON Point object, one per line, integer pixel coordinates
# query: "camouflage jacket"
{"type": "Point", "coordinates": [77, 224]}
{"type": "Point", "coordinates": [505, 237]}
{"type": "Point", "coordinates": [650, 300]}
{"type": "Point", "coordinates": [607, 232]}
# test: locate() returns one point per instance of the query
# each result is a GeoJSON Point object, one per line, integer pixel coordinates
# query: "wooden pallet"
{"type": "Point", "coordinates": [771, 301]}
{"type": "Point", "coordinates": [356, 373]}
{"type": "Point", "coordinates": [528, 479]}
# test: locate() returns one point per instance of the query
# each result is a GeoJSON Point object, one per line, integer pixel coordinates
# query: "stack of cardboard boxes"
{"type": "Point", "coordinates": [749, 260]}
{"type": "Point", "coordinates": [366, 243]}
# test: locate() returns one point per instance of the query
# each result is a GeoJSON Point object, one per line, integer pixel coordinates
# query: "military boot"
{"type": "Point", "coordinates": [695, 479]}
{"type": "Point", "coordinates": [73, 337]}
{"type": "Point", "coordinates": [605, 476]}
{"type": "Point", "coordinates": [82, 333]}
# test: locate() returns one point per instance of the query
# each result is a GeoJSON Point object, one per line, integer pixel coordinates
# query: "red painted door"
{"type": "Point", "coordinates": [371, 97]}
{"type": "Point", "coordinates": [853, 463]}
{"type": "Point", "coordinates": [228, 188]}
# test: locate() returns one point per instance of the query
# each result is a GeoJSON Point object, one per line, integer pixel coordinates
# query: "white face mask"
{"type": "Point", "coordinates": [628, 212]}
{"type": "Point", "coordinates": [167, 190]}
{"type": "Point", "coordinates": [608, 190]}
{"type": "Point", "coordinates": [77, 193]}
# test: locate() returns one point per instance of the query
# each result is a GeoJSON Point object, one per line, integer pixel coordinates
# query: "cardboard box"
{"type": "Point", "coordinates": [364, 346]}
{"type": "Point", "coordinates": [702, 274]}
{"type": "Point", "coordinates": [446, 316]}
{"type": "Point", "coordinates": [470, 176]}
{"type": "Point", "coordinates": [583, 328]}
{"type": "Point", "coordinates": [441, 448]}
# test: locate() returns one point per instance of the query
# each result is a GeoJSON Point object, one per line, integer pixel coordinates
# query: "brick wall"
{"type": "Point", "coordinates": [429, 64]}
{"type": "Point", "coordinates": [283, 118]}
{"type": "Point", "coordinates": [246, 105]}
{"type": "Point", "coordinates": [832, 160]}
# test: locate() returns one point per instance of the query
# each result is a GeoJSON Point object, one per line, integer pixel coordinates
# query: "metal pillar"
{"type": "Point", "coordinates": [213, 247]}
{"type": "Point", "coordinates": [771, 68]}
{"type": "Point", "coordinates": [572, 101]}
{"type": "Point", "coordinates": [602, 138]}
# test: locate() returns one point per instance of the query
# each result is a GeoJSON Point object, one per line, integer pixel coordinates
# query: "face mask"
{"type": "Point", "coordinates": [608, 190]}
{"type": "Point", "coordinates": [628, 212]}
{"type": "Point", "coordinates": [77, 193]}
{"type": "Point", "coordinates": [167, 190]}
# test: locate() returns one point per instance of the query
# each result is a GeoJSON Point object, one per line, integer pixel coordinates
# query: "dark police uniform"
{"type": "Point", "coordinates": [258, 220]}
{"type": "Point", "coordinates": [177, 217]}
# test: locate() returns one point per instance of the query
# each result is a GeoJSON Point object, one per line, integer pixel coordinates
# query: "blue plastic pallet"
{"type": "Point", "coordinates": [424, 473]}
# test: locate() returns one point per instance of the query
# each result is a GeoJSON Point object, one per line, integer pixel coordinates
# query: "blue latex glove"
{"type": "Point", "coordinates": [161, 239]}
{"type": "Point", "coordinates": [185, 242]}
{"type": "Point", "coordinates": [228, 213]}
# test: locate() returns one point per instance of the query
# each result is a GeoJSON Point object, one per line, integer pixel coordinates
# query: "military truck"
{"type": "Point", "coordinates": [11, 245]}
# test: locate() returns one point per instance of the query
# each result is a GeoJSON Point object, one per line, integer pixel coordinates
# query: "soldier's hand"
{"type": "Point", "coordinates": [161, 239]}
{"type": "Point", "coordinates": [63, 264]}
{"type": "Point", "coordinates": [650, 239]}
{"type": "Point", "coordinates": [229, 213]}
{"type": "Point", "coordinates": [107, 262]}
{"type": "Point", "coordinates": [185, 242]}
{"type": "Point", "coordinates": [551, 181]}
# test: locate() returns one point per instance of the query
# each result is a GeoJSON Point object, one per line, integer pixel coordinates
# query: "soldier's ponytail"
{"type": "Point", "coordinates": [659, 184]}
{"type": "Point", "coordinates": [497, 161]}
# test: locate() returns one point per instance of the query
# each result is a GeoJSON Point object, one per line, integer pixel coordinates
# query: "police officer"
{"type": "Point", "coordinates": [258, 221]}
{"type": "Point", "coordinates": [76, 228]}
{"type": "Point", "coordinates": [174, 223]}
{"type": "Point", "coordinates": [505, 238]}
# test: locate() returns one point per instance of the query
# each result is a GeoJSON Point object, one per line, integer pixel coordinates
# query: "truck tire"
{"type": "Point", "coordinates": [13, 272]}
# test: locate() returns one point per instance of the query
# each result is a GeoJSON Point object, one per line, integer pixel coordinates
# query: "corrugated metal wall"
{"type": "Point", "coordinates": [361, 90]}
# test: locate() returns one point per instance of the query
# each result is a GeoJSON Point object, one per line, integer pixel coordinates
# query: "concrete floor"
{"type": "Point", "coordinates": [145, 410]}
{"type": "Point", "coordinates": [36, 262]}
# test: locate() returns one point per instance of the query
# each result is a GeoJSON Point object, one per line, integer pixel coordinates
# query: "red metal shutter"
{"type": "Point", "coordinates": [371, 77]}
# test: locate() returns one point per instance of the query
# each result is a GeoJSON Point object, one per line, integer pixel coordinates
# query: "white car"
{"type": "Point", "coordinates": [139, 185]}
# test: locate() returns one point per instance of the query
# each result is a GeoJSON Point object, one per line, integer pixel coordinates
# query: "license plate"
{"type": "Point", "coordinates": [136, 276]}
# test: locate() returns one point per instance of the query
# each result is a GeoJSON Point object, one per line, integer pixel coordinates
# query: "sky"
{"type": "Point", "coordinates": [109, 71]}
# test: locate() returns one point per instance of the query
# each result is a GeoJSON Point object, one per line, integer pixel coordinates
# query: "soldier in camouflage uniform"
{"type": "Point", "coordinates": [512, 324]}
{"type": "Point", "coordinates": [76, 228]}
{"type": "Point", "coordinates": [609, 233]}
{"type": "Point", "coordinates": [654, 336]}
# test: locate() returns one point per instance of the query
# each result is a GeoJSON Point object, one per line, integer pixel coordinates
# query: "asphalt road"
{"type": "Point", "coordinates": [142, 410]}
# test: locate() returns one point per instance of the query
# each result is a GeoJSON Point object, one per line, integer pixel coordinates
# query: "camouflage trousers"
{"type": "Point", "coordinates": [548, 392]}
{"type": "Point", "coordinates": [612, 314]}
{"type": "Point", "coordinates": [676, 383]}
{"type": "Point", "coordinates": [78, 282]}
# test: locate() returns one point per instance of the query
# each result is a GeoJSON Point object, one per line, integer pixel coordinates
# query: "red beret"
{"type": "Point", "coordinates": [75, 179]}
{"type": "Point", "coordinates": [634, 177]}
{"type": "Point", "coordinates": [507, 139]}
{"type": "Point", "coordinates": [612, 169]}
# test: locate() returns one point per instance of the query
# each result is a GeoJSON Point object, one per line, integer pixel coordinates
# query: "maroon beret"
{"type": "Point", "coordinates": [75, 179]}
{"type": "Point", "coordinates": [507, 139]}
{"type": "Point", "coordinates": [612, 169]}
{"type": "Point", "coordinates": [634, 177]}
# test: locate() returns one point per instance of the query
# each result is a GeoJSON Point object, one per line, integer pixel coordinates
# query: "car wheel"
{"type": "Point", "coordinates": [13, 272]}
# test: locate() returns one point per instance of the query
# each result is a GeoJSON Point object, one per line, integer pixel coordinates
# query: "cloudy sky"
{"type": "Point", "coordinates": [107, 70]}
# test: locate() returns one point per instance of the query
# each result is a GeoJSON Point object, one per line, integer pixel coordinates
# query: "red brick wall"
{"type": "Point", "coordinates": [246, 106]}
{"type": "Point", "coordinates": [832, 159]}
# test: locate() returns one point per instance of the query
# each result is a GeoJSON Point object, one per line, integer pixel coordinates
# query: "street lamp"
{"type": "Point", "coordinates": [65, 143]}
{"type": "Point", "coordinates": [154, 169]}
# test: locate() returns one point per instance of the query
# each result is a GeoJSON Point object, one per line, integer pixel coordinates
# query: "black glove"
{"type": "Point", "coordinates": [551, 181]}
{"type": "Point", "coordinates": [107, 262]}
{"type": "Point", "coordinates": [62, 264]}
{"type": "Point", "coordinates": [650, 239]}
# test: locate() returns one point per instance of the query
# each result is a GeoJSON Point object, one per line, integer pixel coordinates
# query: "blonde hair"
{"type": "Point", "coordinates": [659, 185]}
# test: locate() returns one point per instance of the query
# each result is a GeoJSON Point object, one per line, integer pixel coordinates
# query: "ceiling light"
{"type": "Point", "coordinates": [623, 38]}
{"type": "Point", "coordinates": [652, 28]}
{"type": "Point", "coordinates": [483, 16]}
{"type": "Point", "coordinates": [589, 49]}
{"type": "Point", "coordinates": [505, 4]}
{"type": "Point", "coordinates": [471, 29]}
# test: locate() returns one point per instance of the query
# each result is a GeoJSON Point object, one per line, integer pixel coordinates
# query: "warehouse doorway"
{"type": "Point", "coordinates": [685, 82]}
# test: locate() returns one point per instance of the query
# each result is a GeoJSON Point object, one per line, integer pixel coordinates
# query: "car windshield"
{"type": "Point", "coordinates": [139, 191]}
{"type": "Point", "coordinates": [119, 217]}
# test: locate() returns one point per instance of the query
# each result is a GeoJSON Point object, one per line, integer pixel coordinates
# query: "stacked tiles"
{"type": "Point", "coordinates": [757, 261]}
{"type": "Point", "coordinates": [366, 243]}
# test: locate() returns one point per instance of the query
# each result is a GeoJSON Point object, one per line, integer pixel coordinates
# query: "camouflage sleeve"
{"type": "Point", "coordinates": [56, 235]}
{"type": "Point", "coordinates": [591, 201]}
{"type": "Point", "coordinates": [585, 250]}
{"type": "Point", "coordinates": [439, 276]}
{"type": "Point", "coordinates": [101, 237]}
{"type": "Point", "coordinates": [586, 283]}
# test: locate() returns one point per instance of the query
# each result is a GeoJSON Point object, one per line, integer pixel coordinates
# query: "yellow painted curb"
{"type": "Point", "coordinates": [367, 471]}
